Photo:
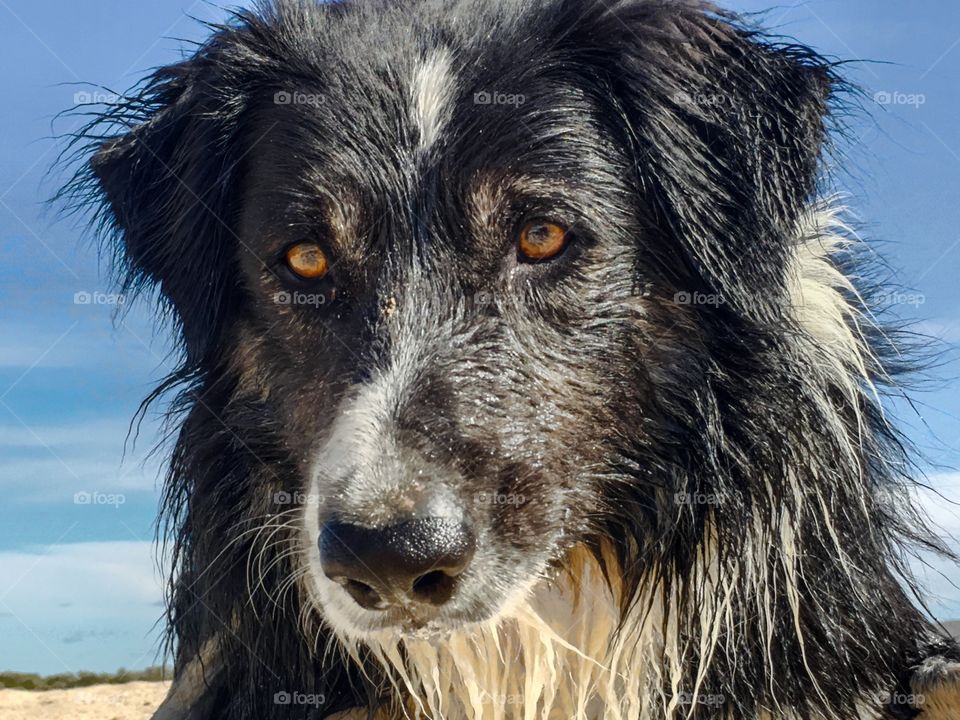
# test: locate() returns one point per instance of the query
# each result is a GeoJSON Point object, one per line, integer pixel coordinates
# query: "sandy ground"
{"type": "Point", "coordinates": [132, 701]}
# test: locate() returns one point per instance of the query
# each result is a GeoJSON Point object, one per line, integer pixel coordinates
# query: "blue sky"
{"type": "Point", "coordinates": [78, 590]}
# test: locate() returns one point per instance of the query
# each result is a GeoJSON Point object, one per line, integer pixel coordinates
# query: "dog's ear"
{"type": "Point", "coordinates": [167, 184]}
{"type": "Point", "coordinates": [727, 128]}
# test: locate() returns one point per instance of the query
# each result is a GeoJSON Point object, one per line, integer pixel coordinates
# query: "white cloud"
{"type": "Point", "coordinates": [80, 573]}
{"type": "Point", "coordinates": [941, 578]}
{"type": "Point", "coordinates": [945, 330]}
{"type": "Point", "coordinates": [51, 462]}
{"type": "Point", "coordinates": [50, 477]}
{"type": "Point", "coordinates": [942, 502]}
{"type": "Point", "coordinates": [82, 606]}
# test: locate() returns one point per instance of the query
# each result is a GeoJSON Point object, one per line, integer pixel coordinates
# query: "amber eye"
{"type": "Point", "coordinates": [542, 240]}
{"type": "Point", "coordinates": [307, 260]}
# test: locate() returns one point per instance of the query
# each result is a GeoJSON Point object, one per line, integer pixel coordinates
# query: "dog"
{"type": "Point", "coordinates": [529, 370]}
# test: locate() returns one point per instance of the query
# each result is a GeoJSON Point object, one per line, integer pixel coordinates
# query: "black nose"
{"type": "Point", "coordinates": [416, 560]}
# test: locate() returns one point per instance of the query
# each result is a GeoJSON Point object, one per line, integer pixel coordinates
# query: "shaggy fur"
{"type": "Point", "coordinates": [689, 499]}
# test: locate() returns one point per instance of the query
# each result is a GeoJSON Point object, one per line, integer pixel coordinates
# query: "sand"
{"type": "Point", "coordinates": [131, 701]}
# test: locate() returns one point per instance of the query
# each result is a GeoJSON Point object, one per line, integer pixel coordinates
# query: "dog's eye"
{"type": "Point", "coordinates": [307, 261]}
{"type": "Point", "coordinates": [541, 240]}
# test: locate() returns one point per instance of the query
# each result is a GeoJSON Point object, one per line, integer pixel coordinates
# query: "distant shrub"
{"type": "Point", "coordinates": [65, 681]}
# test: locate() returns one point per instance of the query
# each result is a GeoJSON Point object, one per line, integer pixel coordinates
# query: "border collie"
{"type": "Point", "coordinates": [530, 371]}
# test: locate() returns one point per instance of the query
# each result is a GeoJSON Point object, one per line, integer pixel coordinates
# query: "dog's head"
{"type": "Point", "coordinates": [474, 263]}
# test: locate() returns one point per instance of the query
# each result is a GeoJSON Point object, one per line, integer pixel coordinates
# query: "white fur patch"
{"type": "Point", "coordinates": [548, 656]}
{"type": "Point", "coordinates": [432, 92]}
{"type": "Point", "coordinates": [821, 295]}
{"type": "Point", "coordinates": [554, 655]}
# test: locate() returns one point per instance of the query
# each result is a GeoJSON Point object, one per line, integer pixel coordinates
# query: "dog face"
{"type": "Point", "coordinates": [452, 263]}
{"type": "Point", "coordinates": [463, 358]}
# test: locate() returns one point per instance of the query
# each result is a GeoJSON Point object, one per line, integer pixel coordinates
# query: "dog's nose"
{"type": "Point", "coordinates": [416, 560]}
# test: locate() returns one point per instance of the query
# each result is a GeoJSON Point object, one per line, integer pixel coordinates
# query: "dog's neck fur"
{"type": "Point", "coordinates": [568, 653]}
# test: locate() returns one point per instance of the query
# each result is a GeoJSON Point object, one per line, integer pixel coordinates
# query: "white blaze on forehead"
{"type": "Point", "coordinates": [432, 95]}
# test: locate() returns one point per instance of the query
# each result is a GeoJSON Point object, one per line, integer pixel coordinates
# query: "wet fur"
{"type": "Point", "coordinates": [780, 595]}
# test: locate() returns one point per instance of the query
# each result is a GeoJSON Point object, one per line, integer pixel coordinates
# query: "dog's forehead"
{"type": "Point", "coordinates": [406, 101]}
{"type": "Point", "coordinates": [423, 134]}
{"type": "Point", "coordinates": [367, 124]}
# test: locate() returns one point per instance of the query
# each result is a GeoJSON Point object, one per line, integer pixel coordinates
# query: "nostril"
{"type": "Point", "coordinates": [434, 587]}
{"type": "Point", "coordinates": [365, 595]}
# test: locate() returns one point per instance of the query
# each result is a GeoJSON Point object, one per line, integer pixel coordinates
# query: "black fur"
{"type": "Point", "coordinates": [683, 147]}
